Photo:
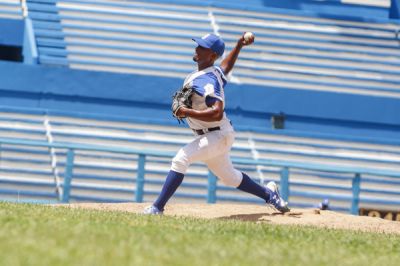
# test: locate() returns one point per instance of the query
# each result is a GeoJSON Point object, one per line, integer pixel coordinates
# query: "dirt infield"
{"type": "Point", "coordinates": [261, 214]}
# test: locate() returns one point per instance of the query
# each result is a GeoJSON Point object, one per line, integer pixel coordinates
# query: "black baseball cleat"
{"type": "Point", "coordinates": [275, 199]}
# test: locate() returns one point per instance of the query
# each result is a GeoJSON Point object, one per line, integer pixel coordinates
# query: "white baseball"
{"type": "Point", "coordinates": [248, 35]}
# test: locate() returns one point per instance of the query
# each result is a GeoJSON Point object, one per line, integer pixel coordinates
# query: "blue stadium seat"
{"type": "Point", "coordinates": [293, 50]}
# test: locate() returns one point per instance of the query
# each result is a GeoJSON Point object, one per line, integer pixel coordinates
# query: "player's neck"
{"type": "Point", "coordinates": [201, 67]}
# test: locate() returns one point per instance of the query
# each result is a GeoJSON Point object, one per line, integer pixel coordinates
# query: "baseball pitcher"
{"type": "Point", "coordinates": [201, 101]}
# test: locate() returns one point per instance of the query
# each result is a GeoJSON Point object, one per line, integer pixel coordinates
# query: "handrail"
{"type": "Point", "coordinates": [67, 145]}
{"type": "Point", "coordinates": [211, 196]}
{"type": "Point", "coordinates": [278, 163]}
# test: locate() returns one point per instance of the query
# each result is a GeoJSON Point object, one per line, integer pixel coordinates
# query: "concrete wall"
{"type": "Point", "coordinates": [11, 32]}
{"type": "Point", "coordinates": [394, 12]}
{"type": "Point", "coordinates": [64, 89]}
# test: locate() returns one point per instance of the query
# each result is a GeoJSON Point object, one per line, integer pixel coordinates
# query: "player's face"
{"type": "Point", "coordinates": [204, 56]}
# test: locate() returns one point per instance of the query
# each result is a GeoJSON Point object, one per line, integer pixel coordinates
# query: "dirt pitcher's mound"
{"type": "Point", "coordinates": [262, 214]}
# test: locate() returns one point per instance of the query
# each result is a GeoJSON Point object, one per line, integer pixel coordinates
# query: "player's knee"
{"type": "Point", "coordinates": [180, 163]}
{"type": "Point", "coordinates": [232, 180]}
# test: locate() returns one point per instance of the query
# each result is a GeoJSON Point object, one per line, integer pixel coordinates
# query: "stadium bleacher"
{"type": "Point", "coordinates": [25, 171]}
{"type": "Point", "coordinates": [11, 9]}
{"type": "Point", "coordinates": [296, 50]}
{"type": "Point", "coordinates": [292, 51]}
{"type": "Point", "coordinates": [109, 177]}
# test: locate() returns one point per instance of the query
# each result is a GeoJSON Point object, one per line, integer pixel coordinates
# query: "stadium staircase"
{"type": "Point", "coordinates": [35, 174]}
{"type": "Point", "coordinates": [293, 49]}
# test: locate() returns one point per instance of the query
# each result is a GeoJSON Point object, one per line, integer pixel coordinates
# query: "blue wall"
{"type": "Point", "coordinates": [394, 12]}
{"type": "Point", "coordinates": [148, 97]}
{"type": "Point", "coordinates": [11, 32]}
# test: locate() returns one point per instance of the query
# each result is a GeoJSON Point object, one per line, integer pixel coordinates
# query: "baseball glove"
{"type": "Point", "coordinates": [181, 98]}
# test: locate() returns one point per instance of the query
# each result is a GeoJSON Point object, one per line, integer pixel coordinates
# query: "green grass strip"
{"type": "Point", "coordinates": [43, 235]}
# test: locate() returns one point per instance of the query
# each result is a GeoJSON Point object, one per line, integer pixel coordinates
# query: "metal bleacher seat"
{"type": "Point", "coordinates": [25, 172]}
{"type": "Point", "coordinates": [119, 36]}
{"type": "Point", "coordinates": [315, 53]}
{"type": "Point", "coordinates": [292, 50]}
{"type": "Point", "coordinates": [108, 176]}
{"type": "Point", "coordinates": [331, 151]}
{"type": "Point", "coordinates": [98, 168]}
{"type": "Point", "coordinates": [10, 9]}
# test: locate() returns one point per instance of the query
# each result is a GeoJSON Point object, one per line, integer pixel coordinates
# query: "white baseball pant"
{"type": "Point", "coordinates": [213, 149]}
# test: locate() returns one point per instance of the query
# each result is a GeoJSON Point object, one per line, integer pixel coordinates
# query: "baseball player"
{"type": "Point", "coordinates": [213, 130]}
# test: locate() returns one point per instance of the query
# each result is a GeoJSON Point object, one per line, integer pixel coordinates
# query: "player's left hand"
{"type": "Point", "coordinates": [181, 99]}
{"type": "Point", "coordinates": [181, 112]}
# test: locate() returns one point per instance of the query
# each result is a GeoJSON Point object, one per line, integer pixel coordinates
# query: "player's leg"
{"type": "Point", "coordinates": [198, 150]}
{"type": "Point", "coordinates": [222, 167]}
{"type": "Point", "coordinates": [172, 182]}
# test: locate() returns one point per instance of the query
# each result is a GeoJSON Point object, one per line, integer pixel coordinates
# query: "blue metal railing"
{"type": "Point", "coordinates": [212, 180]}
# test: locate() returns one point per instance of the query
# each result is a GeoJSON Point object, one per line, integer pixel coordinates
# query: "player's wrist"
{"type": "Point", "coordinates": [239, 43]}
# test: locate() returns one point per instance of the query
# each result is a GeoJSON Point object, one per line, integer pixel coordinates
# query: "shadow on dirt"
{"type": "Point", "coordinates": [260, 216]}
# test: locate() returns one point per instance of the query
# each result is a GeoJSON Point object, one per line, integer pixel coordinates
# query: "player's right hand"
{"type": "Point", "coordinates": [247, 38]}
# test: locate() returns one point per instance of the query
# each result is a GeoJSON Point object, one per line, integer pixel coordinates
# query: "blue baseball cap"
{"type": "Point", "coordinates": [212, 42]}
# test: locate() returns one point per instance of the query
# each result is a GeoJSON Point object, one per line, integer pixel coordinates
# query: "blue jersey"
{"type": "Point", "coordinates": [208, 85]}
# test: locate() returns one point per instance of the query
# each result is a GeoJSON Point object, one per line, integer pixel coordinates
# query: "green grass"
{"type": "Point", "coordinates": [41, 235]}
